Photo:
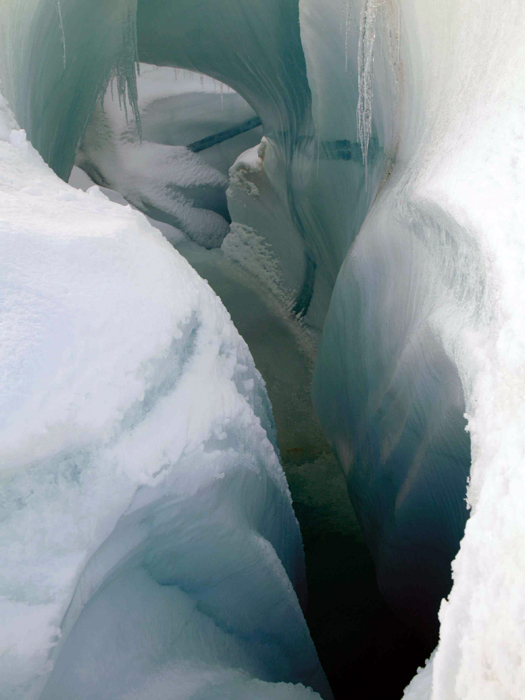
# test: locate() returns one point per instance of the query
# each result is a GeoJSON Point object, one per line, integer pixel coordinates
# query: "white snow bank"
{"type": "Point", "coordinates": [147, 528]}
{"type": "Point", "coordinates": [81, 181]}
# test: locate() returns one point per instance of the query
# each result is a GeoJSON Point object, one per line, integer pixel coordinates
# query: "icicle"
{"type": "Point", "coordinates": [222, 95]}
{"type": "Point", "coordinates": [126, 69]}
{"type": "Point", "coordinates": [344, 27]}
{"type": "Point", "coordinates": [176, 71]}
{"type": "Point", "coordinates": [202, 82]}
{"type": "Point", "coordinates": [347, 33]}
{"type": "Point", "coordinates": [342, 16]}
{"type": "Point", "coordinates": [62, 33]}
{"type": "Point", "coordinates": [365, 70]}
{"type": "Point", "coordinates": [398, 36]}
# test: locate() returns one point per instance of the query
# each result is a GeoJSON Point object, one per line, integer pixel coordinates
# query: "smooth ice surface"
{"type": "Point", "coordinates": [425, 325]}
{"type": "Point", "coordinates": [140, 484]}
{"type": "Point", "coordinates": [388, 396]}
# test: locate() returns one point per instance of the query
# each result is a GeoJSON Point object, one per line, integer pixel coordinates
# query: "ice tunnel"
{"type": "Point", "coordinates": [236, 235]}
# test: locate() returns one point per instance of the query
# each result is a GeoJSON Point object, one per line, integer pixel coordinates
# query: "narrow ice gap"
{"type": "Point", "coordinates": [262, 403]}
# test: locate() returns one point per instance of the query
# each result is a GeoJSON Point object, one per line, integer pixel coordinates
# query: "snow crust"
{"type": "Point", "coordinates": [140, 483]}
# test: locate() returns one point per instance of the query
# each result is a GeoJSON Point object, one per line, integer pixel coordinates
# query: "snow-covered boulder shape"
{"type": "Point", "coordinates": [148, 546]}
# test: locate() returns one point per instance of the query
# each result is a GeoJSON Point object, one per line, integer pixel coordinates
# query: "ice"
{"type": "Point", "coordinates": [365, 68]}
{"type": "Point", "coordinates": [423, 339]}
{"type": "Point", "coordinates": [140, 483]}
{"type": "Point", "coordinates": [175, 172]}
{"type": "Point", "coordinates": [62, 33]}
{"type": "Point", "coordinates": [46, 97]}
{"type": "Point", "coordinates": [384, 208]}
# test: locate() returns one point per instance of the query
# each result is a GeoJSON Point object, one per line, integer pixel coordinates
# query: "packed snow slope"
{"type": "Point", "coordinates": [148, 539]}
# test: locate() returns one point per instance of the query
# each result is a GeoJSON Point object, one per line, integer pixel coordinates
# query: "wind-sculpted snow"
{"type": "Point", "coordinates": [148, 540]}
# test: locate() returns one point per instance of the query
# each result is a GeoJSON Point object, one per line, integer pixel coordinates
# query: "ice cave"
{"type": "Point", "coordinates": [262, 349]}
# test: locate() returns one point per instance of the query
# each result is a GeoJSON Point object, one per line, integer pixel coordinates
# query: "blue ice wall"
{"type": "Point", "coordinates": [386, 391]}
{"type": "Point", "coordinates": [392, 405]}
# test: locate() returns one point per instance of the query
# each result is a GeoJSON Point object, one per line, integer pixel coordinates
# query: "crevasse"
{"type": "Point", "coordinates": [383, 211]}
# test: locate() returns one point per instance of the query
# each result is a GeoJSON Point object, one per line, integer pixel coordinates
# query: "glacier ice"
{"type": "Point", "coordinates": [384, 208]}
{"type": "Point", "coordinates": [140, 481]}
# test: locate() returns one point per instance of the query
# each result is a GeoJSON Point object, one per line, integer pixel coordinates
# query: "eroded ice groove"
{"type": "Point", "coordinates": [335, 197]}
{"type": "Point", "coordinates": [53, 103]}
{"type": "Point", "coordinates": [425, 324]}
{"type": "Point", "coordinates": [389, 398]}
{"type": "Point", "coordinates": [62, 33]}
{"type": "Point", "coordinates": [140, 482]}
{"type": "Point", "coordinates": [365, 71]}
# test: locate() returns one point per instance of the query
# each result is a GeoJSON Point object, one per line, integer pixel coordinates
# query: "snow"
{"type": "Point", "coordinates": [81, 180]}
{"type": "Point", "coordinates": [157, 179]}
{"type": "Point", "coordinates": [159, 175]}
{"type": "Point", "coordinates": [420, 687]}
{"type": "Point", "coordinates": [263, 235]}
{"type": "Point", "coordinates": [140, 480]}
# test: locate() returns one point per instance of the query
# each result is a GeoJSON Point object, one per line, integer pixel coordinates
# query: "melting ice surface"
{"type": "Point", "coordinates": [147, 525]}
{"type": "Point", "coordinates": [148, 538]}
